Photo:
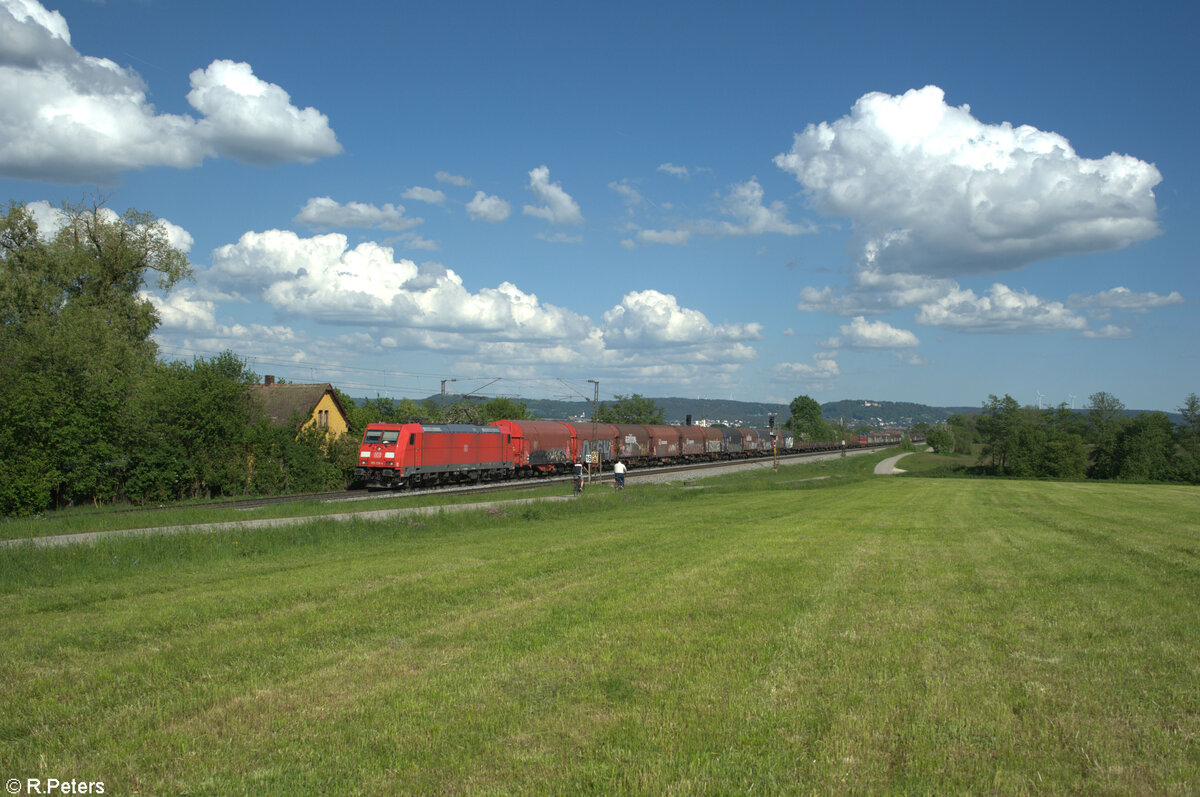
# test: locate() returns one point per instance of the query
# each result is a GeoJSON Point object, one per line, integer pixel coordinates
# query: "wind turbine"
{"type": "Point", "coordinates": [1071, 396]}
{"type": "Point", "coordinates": [1040, 396]}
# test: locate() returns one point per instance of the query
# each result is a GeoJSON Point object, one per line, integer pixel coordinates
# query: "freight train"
{"type": "Point", "coordinates": [425, 454]}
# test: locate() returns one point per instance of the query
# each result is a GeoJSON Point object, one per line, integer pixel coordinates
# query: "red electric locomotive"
{"type": "Point", "coordinates": [412, 454]}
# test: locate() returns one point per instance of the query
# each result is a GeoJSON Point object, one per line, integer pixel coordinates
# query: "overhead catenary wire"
{"type": "Point", "coordinates": [393, 383]}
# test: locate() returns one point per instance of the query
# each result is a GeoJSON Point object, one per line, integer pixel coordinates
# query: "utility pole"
{"type": "Point", "coordinates": [595, 404]}
{"type": "Point", "coordinates": [774, 442]}
{"type": "Point", "coordinates": [464, 395]}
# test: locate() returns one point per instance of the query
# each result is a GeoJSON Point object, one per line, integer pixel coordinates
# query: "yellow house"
{"type": "Point", "coordinates": [316, 404]}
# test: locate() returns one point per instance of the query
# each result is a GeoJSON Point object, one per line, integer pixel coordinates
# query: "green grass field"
{"type": "Point", "coordinates": [88, 519]}
{"type": "Point", "coordinates": [761, 633]}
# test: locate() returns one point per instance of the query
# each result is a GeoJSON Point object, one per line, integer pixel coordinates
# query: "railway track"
{"type": "Point", "coordinates": [654, 473]}
{"type": "Point", "coordinates": [492, 487]}
{"type": "Point", "coordinates": [530, 484]}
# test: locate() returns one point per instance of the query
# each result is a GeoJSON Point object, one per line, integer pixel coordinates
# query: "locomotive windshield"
{"type": "Point", "coordinates": [385, 436]}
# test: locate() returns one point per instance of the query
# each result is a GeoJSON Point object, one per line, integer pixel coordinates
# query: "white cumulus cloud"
{"type": "Point", "coordinates": [183, 309]}
{"type": "Point", "coordinates": [68, 117]}
{"type": "Point", "coordinates": [254, 121]}
{"type": "Point", "coordinates": [430, 195]}
{"type": "Point", "coordinates": [935, 191]}
{"type": "Point", "coordinates": [630, 195]}
{"type": "Point", "coordinates": [1108, 332]}
{"type": "Point", "coordinates": [323, 212]}
{"type": "Point", "coordinates": [863, 334]}
{"type": "Point", "coordinates": [47, 217]}
{"type": "Point", "coordinates": [414, 241]}
{"type": "Point", "coordinates": [452, 179]}
{"type": "Point", "coordinates": [1122, 298]}
{"type": "Point", "coordinates": [873, 292]}
{"type": "Point", "coordinates": [557, 205]}
{"type": "Point", "coordinates": [1001, 310]}
{"type": "Point", "coordinates": [670, 237]}
{"type": "Point", "coordinates": [178, 237]}
{"type": "Point", "coordinates": [488, 208]}
{"type": "Point", "coordinates": [820, 374]}
{"type": "Point", "coordinates": [650, 319]}
{"type": "Point", "coordinates": [322, 278]}
{"type": "Point", "coordinates": [751, 217]}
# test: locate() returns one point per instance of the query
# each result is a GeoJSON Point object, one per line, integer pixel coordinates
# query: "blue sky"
{"type": "Point", "coordinates": [923, 202]}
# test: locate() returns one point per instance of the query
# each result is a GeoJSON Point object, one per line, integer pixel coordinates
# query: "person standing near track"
{"type": "Point", "coordinates": [619, 475]}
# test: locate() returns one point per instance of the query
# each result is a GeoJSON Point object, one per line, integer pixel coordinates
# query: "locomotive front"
{"type": "Point", "coordinates": [381, 456]}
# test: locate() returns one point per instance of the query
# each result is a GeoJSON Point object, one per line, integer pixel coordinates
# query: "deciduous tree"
{"type": "Point", "coordinates": [998, 426]}
{"type": "Point", "coordinates": [941, 439]}
{"type": "Point", "coordinates": [1104, 421]}
{"type": "Point", "coordinates": [74, 346]}
{"type": "Point", "coordinates": [963, 428]}
{"type": "Point", "coordinates": [634, 408]}
{"type": "Point", "coordinates": [193, 436]}
{"type": "Point", "coordinates": [807, 421]}
{"type": "Point", "coordinates": [1189, 438]}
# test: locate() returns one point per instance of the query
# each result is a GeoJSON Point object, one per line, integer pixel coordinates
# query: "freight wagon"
{"type": "Point", "coordinates": [414, 454]}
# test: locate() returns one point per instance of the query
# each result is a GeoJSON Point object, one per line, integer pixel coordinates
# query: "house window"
{"type": "Point", "coordinates": [323, 419]}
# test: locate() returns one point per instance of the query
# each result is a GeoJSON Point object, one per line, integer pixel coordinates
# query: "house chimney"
{"type": "Point", "coordinates": [268, 380]}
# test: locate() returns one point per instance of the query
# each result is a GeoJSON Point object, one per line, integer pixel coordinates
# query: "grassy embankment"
{"type": "Point", "coordinates": [90, 519]}
{"type": "Point", "coordinates": [766, 633]}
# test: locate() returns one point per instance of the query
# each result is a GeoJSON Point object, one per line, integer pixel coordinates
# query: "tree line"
{"type": "Point", "coordinates": [1099, 443]}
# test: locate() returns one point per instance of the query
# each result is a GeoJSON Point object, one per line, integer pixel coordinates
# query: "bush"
{"type": "Point", "coordinates": [941, 439]}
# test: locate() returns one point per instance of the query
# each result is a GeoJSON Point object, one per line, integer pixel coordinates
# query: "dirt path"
{"type": "Point", "coordinates": [888, 466]}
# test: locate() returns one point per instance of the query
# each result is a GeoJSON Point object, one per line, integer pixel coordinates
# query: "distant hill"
{"type": "Point", "coordinates": [875, 414]}
{"type": "Point", "coordinates": [861, 412]}
{"type": "Point", "coordinates": [855, 412]}
{"type": "Point", "coordinates": [750, 413]}
{"type": "Point", "coordinates": [675, 410]}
